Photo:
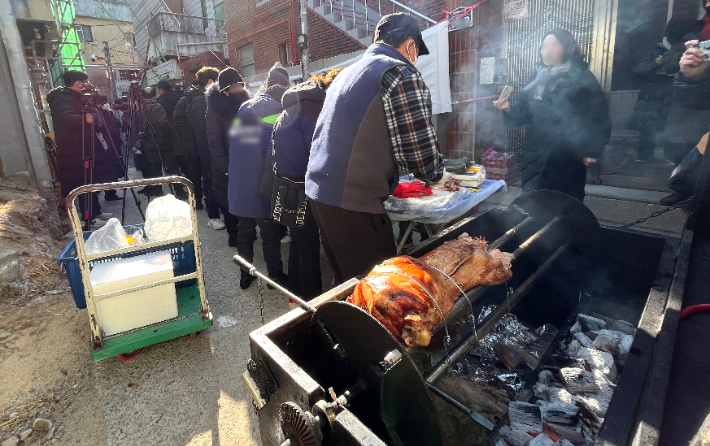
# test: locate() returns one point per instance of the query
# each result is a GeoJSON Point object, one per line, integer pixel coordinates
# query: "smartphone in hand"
{"type": "Point", "coordinates": [505, 95]}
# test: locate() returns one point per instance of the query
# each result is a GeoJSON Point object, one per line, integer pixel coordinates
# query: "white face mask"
{"type": "Point", "coordinates": [107, 107]}
{"type": "Point", "coordinates": [416, 57]}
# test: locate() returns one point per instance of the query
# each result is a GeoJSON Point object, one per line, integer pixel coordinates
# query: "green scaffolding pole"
{"type": "Point", "coordinates": [69, 52]}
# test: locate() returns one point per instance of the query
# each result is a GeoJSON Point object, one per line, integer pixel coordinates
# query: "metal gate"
{"type": "Point", "coordinates": [592, 22]}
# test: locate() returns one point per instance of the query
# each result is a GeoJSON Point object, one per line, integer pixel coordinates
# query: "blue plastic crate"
{"type": "Point", "coordinates": [183, 263]}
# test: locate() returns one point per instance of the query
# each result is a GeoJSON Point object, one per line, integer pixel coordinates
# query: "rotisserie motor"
{"type": "Point", "coordinates": [393, 292]}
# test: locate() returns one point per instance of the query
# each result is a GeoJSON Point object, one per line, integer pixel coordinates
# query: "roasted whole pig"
{"type": "Point", "coordinates": [394, 292]}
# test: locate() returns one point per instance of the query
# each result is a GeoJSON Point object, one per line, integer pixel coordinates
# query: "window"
{"type": "Point", "coordinates": [246, 60]}
{"type": "Point", "coordinates": [84, 33]}
{"type": "Point", "coordinates": [219, 9]}
{"type": "Point", "coordinates": [285, 54]}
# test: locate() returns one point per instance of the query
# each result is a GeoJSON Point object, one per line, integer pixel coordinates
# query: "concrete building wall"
{"type": "Point", "coordinates": [104, 30]}
{"type": "Point", "coordinates": [32, 10]}
{"type": "Point", "coordinates": [106, 9]}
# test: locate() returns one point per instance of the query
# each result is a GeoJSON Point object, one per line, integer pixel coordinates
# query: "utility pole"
{"type": "Point", "coordinates": [112, 86]}
{"type": "Point", "coordinates": [303, 40]}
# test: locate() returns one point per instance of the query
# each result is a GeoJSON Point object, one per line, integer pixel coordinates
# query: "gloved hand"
{"type": "Point", "coordinates": [415, 189]}
{"type": "Point", "coordinates": [441, 181]}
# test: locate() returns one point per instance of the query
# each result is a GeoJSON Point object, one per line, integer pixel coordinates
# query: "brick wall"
{"type": "Point", "coordinates": [473, 128]}
{"type": "Point", "coordinates": [276, 22]}
{"type": "Point", "coordinates": [191, 65]}
{"type": "Point", "coordinates": [430, 8]}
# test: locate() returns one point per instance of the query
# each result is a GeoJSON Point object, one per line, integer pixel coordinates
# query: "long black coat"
{"type": "Point", "coordinates": [221, 111]}
{"type": "Point", "coordinates": [168, 100]}
{"type": "Point", "coordinates": [570, 123]}
{"type": "Point", "coordinates": [69, 121]}
{"type": "Point", "coordinates": [183, 123]}
{"type": "Point", "coordinates": [159, 137]}
{"type": "Point", "coordinates": [196, 115]}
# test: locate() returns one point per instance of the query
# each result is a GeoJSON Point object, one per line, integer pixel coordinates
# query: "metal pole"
{"type": "Point", "coordinates": [416, 13]}
{"type": "Point", "coordinates": [475, 416]}
{"type": "Point", "coordinates": [304, 30]}
{"type": "Point", "coordinates": [111, 79]}
{"type": "Point", "coordinates": [251, 269]}
{"type": "Point", "coordinates": [483, 329]}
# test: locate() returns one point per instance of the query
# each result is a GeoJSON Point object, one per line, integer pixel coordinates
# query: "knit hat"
{"type": "Point", "coordinates": [229, 76]}
{"type": "Point", "coordinates": [278, 76]}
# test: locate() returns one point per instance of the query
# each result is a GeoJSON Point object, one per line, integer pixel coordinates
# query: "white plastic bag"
{"type": "Point", "coordinates": [107, 238]}
{"type": "Point", "coordinates": [167, 218]}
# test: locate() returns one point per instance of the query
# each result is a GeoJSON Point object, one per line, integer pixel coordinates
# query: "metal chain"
{"type": "Point", "coordinates": [261, 300]}
{"type": "Point", "coordinates": [659, 213]}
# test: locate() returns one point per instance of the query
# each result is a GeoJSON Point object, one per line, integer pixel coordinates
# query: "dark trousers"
{"type": "Point", "coordinates": [230, 221]}
{"type": "Point", "coordinates": [172, 167]}
{"type": "Point", "coordinates": [647, 142]}
{"type": "Point", "coordinates": [676, 151]}
{"type": "Point", "coordinates": [270, 241]}
{"type": "Point", "coordinates": [354, 242]}
{"type": "Point", "coordinates": [95, 205]}
{"type": "Point", "coordinates": [191, 166]}
{"type": "Point", "coordinates": [304, 275]}
{"type": "Point", "coordinates": [684, 182]}
{"type": "Point", "coordinates": [206, 160]}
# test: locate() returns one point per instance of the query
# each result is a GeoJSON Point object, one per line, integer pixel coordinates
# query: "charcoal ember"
{"type": "Point", "coordinates": [625, 346]}
{"type": "Point", "coordinates": [542, 440]}
{"type": "Point", "coordinates": [599, 360]}
{"type": "Point", "coordinates": [557, 362]}
{"type": "Point", "coordinates": [545, 377]}
{"type": "Point", "coordinates": [592, 335]}
{"type": "Point", "coordinates": [579, 381]}
{"type": "Point", "coordinates": [487, 400]}
{"type": "Point", "coordinates": [514, 358]}
{"type": "Point", "coordinates": [559, 413]}
{"type": "Point", "coordinates": [573, 348]}
{"type": "Point", "coordinates": [541, 391]}
{"type": "Point", "coordinates": [608, 341]}
{"type": "Point", "coordinates": [515, 437]}
{"type": "Point", "coordinates": [572, 433]}
{"type": "Point", "coordinates": [525, 417]}
{"type": "Point", "coordinates": [622, 327]}
{"type": "Point", "coordinates": [563, 442]}
{"type": "Point", "coordinates": [507, 331]}
{"type": "Point", "coordinates": [588, 416]}
{"type": "Point", "coordinates": [560, 395]}
{"type": "Point", "coordinates": [599, 402]}
{"type": "Point", "coordinates": [576, 328]}
{"type": "Point", "coordinates": [584, 340]}
{"type": "Point", "coordinates": [525, 395]}
{"type": "Point", "coordinates": [547, 329]}
{"type": "Point", "coordinates": [590, 323]}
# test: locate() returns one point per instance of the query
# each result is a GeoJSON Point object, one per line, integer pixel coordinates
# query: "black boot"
{"type": "Point", "coordinates": [278, 277]}
{"type": "Point", "coordinates": [671, 199]}
{"type": "Point", "coordinates": [111, 195]}
{"type": "Point", "coordinates": [232, 240]}
{"type": "Point", "coordinates": [245, 280]}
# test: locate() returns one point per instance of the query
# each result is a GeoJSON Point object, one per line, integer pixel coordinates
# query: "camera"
{"type": "Point", "coordinates": [704, 47]}
{"type": "Point", "coordinates": [89, 92]}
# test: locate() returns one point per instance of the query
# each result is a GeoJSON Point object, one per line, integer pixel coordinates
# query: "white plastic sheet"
{"type": "Point", "coordinates": [109, 237]}
{"type": "Point", "coordinates": [442, 207]}
{"type": "Point", "coordinates": [435, 67]}
{"type": "Point", "coordinates": [167, 218]}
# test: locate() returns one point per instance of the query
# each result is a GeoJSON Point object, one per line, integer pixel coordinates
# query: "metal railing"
{"type": "Point", "coordinates": [179, 23]}
{"type": "Point", "coordinates": [364, 14]}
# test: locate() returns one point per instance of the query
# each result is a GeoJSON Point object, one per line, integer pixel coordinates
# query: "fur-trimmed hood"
{"type": "Point", "coordinates": [223, 105]}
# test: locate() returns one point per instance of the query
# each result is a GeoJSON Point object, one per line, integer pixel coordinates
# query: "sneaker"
{"type": "Point", "coordinates": [245, 280]}
{"type": "Point", "coordinates": [286, 239]}
{"type": "Point", "coordinates": [104, 216]}
{"type": "Point", "coordinates": [641, 161]}
{"type": "Point", "coordinates": [216, 224]}
{"type": "Point", "coordinates": [108, 196]}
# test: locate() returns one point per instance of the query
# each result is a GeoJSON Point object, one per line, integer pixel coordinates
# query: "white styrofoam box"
{"type": "Point", "coordinates": [139, 308]}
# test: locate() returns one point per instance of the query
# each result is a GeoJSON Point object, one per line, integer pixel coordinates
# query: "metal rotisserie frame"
{"type": "Point", "coordinates": [616, 272]}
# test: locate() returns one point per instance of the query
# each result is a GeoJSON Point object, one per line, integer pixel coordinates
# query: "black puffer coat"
{"type": "Point", "coordinates": [571, 122]}
{"type": "Point", "coordinates": [183, 123]}
{"type": "Point", "coordinates": [169, 101]}
{"type": "Point", "coordinates": [221, 111]}
{"type": "Point", "coordinates": [68, 118]}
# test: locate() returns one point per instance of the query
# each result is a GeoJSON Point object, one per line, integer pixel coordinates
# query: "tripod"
{"type": "Point", "coordinates": [136, 99]}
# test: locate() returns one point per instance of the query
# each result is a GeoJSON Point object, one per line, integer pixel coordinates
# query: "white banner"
{"type": "Point", "coordinates": [435, 67]}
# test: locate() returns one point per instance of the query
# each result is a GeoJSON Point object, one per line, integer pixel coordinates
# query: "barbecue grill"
{"type": "Point", "coordinates": [330, 374]}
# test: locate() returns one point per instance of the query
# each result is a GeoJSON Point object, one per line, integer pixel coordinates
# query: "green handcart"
{"type": "Point", "coordinates": [194, 313]}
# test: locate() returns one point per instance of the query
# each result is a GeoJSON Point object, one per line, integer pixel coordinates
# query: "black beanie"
{"type": "Point", "coordinates": [229, 76]}
{"type": "Point", "coordinates": [278, 76]}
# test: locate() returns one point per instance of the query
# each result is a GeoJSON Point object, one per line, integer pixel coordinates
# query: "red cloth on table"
{"type": "Point", "coordinates": [415, 189]}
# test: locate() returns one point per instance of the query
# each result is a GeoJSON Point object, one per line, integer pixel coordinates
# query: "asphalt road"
{"type": "Point", "coordinates": [189, 391]}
